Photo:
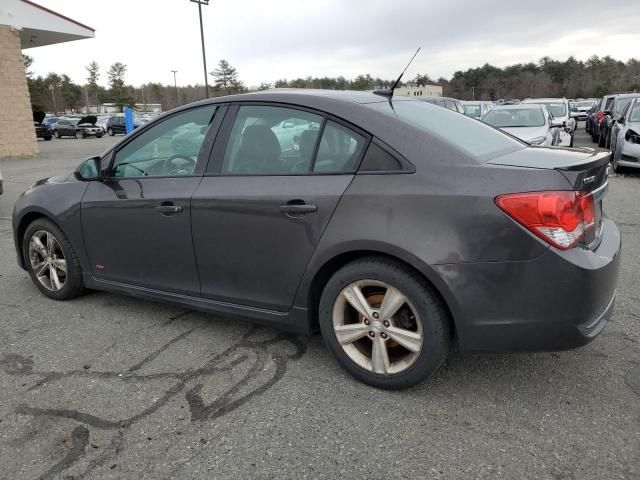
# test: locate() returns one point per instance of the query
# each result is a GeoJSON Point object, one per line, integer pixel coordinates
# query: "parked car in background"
{"type": "Point", "coordinates": [77, 127]}
{"type": "Point", "coordinates": [559, 108]}
{"type": "Point", "coordinates": [49, 121]}
{"type": "Point", "coordinates": [611, 116]}
{"type": "Point", "coordinates": [116, 125]}
{"type": "Point", "coordinates": [102, 122]}
{"type": "Point", "coordinates": [606, 104]}
{"type": "Point", "coordinates": [484, 244]}
{"type": "Point", "coordinates": [476, 109]}
{"type": "Point", "coordinates": [41, 129]}
{"type": "Point", "coordinates": [582, 108]}
{"type": "Point", "coordinates": [446, 102]}
{"type": "Point", "coordinates": [531, 123]}
{"type": "Point", "coordinates": [625, 137]}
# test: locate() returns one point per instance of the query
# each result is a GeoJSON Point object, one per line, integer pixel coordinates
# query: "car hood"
{"type": "Point", "coordinates": [38, 116]}
{"type": "Point", "coordinates": [88, 120]}
{"type": "Point", "coordinates": [526, 133]}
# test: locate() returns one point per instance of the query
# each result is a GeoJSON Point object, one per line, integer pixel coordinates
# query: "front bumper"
{"type": "Point", "coordinates": [557, 301]}
{"type": "Point", "coordinates": [629, 155]}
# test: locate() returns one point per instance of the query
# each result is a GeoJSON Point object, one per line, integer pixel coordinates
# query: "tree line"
{"type": "Point", "coordinates": [546, 78]}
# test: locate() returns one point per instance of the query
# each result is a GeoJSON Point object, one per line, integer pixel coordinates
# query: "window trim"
{"type": "Point", "coordinates": [205, 149]}
{"type": "Point", "coordinates": [214, 167]}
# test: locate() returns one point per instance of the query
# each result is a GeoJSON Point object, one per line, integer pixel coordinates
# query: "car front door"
{"type": "Point", "coordinates": [137, 221]}
{"type": "Point", "coordinates": [275, 178]}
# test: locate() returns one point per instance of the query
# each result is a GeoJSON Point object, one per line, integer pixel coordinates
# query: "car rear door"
{"type": "Point", "coordinates": [137, 221]}
{"type": "Point", "coordinates": [274, 180]}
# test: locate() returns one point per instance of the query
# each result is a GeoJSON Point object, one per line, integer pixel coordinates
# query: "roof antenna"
{"type": "Point", "coordinates": [388, 92]}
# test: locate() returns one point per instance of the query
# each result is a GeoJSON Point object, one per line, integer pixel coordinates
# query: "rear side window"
{"type": "Point", "coordinates": [340, 149]}
{"type": "Point", "coordinates": [475, 138]}
{"type": "Point", "coordinates": [271, 140]}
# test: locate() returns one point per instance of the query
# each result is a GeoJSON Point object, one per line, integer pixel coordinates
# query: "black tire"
{"type": "Point", "coordinates": [46, 139]}
{"type": "Point", "coordinates": [110, 132]}
{"type": "Point", "coordinates": [73, 285]}
{"type": "Point", "coordinates": [602, 140]}
{"type": "Point", "coordinates": [98, 135]}
{"type": "Point", "coordinates": [432, 313]}
{"type": "Point", "coordinates": [56, 134]}
{"type": "Point", "coordinates": [80, 135]}
{"type": "Point", "coordinates": [572, 138]}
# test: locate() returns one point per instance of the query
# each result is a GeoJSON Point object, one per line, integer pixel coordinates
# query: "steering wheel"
{"type": "Point", "coordinates": [170, 166]}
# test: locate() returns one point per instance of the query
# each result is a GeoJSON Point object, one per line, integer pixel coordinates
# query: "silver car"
{"type": "Point", "coordinates": [559, 108]}
{"type": "Point", "coordinates": [532, 123]}
{"type": "Point", "coordinates": [625, 137]}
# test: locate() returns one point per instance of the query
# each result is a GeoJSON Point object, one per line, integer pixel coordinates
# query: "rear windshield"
{"type": "Point", "coordinates": [472, 110]}
{"type": "Point", "coordinates": [469, 135]}
{"type": "Point", "coordinates": [515, 117]}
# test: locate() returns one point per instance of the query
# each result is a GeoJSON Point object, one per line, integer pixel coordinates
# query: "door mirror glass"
{"type": "Point", "coordinates": [88, 170]}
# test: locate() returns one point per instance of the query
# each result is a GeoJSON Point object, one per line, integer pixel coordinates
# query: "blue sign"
{"type": "Point", "coordinates": [128, 119]}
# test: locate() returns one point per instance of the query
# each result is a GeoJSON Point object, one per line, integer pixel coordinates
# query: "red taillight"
{"type": "Point", "coordinates": [560, 218]}
{"type": "Point", "coordinates": [599, 116]}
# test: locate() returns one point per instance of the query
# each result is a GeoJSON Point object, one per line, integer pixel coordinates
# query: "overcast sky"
{"type": "Point", "coordinates": [269, 40]}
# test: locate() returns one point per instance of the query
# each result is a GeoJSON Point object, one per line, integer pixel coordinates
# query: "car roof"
{"type": "Point", "coordinates": [540, 100]}
{"type": "Point", "coordinates": [520, 106]}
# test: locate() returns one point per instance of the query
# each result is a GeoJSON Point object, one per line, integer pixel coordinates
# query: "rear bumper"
{"type": "Point", "coordinates": [558, 301]}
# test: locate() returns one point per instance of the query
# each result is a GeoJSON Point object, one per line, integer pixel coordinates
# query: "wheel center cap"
{"type": "Point", "coordinates": [377, 326]}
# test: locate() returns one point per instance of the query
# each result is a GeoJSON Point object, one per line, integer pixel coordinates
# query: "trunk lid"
{"type": "Point", "coordinates": [585, 169]}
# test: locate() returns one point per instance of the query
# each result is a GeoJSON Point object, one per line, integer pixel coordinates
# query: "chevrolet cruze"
{"type": "Point", "coordinates": [399, 229]}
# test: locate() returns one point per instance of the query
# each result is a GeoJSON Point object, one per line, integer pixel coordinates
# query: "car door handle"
{"type": "Point", "coordinates": [167, 209]}
{"type": "Point", "coordinates": [297, 208]}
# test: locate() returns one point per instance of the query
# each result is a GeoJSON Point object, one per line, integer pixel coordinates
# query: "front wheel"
{"type": "Point", "coordinates": [110, 132]}
{"type": "Point", "coordinates": [385, 325]}
{"type": "Point", "coordinates": [56, 134]}
{"type": "Point", "coordinates": [79, 135]}
{"type": "Point", "coordinates": [51, 261]}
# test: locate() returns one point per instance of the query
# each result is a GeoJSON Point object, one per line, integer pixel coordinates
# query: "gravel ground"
{"type": "Point", "coordinates": [107, 386]}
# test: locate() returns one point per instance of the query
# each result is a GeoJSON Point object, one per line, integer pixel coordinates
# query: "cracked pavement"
{"type": "Point", "coordinates": [109, 386]}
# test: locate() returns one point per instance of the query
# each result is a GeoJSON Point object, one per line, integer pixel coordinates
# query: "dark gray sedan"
{"type": "Point", "coordinates": [399, 229]}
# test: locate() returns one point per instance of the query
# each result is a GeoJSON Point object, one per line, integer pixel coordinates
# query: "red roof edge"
{"type": "Point", "coordinates": [58, 15]}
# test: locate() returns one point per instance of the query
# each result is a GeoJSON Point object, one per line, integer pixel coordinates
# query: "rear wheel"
{"type": "Point", "coordinates": [110, 132]}
{"type": "Point", "coordinates": [384, 324]}
{"type": "Point", "coordinates": [79, 134]}
{"type": "Point", "coordinates": [56, 134]}
{"type": "Point", "coordinates": [51, 261]}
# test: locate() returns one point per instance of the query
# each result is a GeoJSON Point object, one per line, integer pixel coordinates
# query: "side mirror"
{"type": "Point", "coordinates": [89, 170]}
{"type": "Point", "coordinates": [557, 123]}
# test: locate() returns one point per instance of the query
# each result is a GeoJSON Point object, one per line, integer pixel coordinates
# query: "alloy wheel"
{"type": "Point", "coordinates": [47, 260]}
{"type": "Point", "coordinates": [377, 327]}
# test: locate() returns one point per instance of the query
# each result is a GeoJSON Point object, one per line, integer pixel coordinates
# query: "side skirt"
{"type": "Point", "coordinates": [295, 320]}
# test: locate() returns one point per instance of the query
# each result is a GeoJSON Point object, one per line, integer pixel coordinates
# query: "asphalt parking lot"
{"type": "Point", "coordinates": [108, 386]}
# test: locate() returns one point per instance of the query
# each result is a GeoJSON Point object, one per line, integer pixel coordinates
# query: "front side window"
{"type": "Point", "coordinates": [170, 148]}
{"type": "Point", "coordinates": [271, 140]}
{"type": "Point", "coordinates": [621, 105]}
{"type": "Point", "coordinates": [635, 113]}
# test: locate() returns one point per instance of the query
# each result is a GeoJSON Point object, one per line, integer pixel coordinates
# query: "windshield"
{"type": "Point", "coordinates": [621, 105]}
{"type": "Point", "coordinates": [465, 133]}
{"type": "Point", "coordinates": [635, 113]}
{"type": "Point", "coordinates": [515, 117]}
{"type": "Point", "coordinates": [472, 110]}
